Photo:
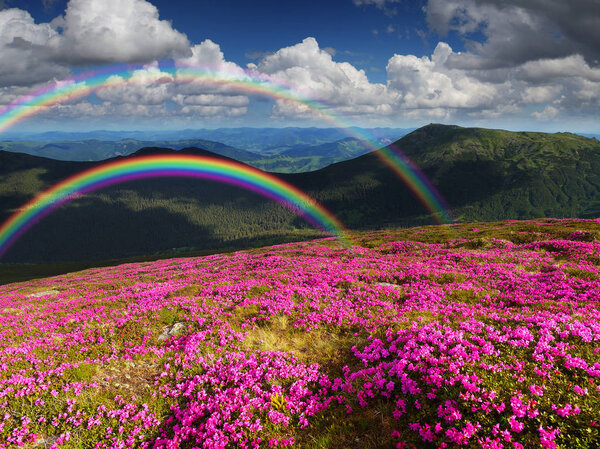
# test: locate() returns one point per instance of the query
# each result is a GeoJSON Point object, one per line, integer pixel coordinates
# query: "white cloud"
{"type": "Point", "coordinates": [90, 31]}
{"type": "Point", "coordinates": [23, 51]}
{"type": "Point", "coordinates": [517, 31]}
{"type": "Point", "coordinates": [516, 65]}
{"type": "Point", "coordinates": [573, 66]}
{"type": "Point", "coordinates": [540, 94]}
{"type": "Point", "coordinates": [148, 86]}
{"type": "Point", "coordinates": [208, 55]}
{"type": "Point", "coordinates": [549, 113]}
{"type": "Point", "coordinates": [313, 73]}
{"type": "Point", "coordinates": [12, 93]}
{"type": "Point", "coordinates": [115, 31]}
{"type": "Point", "coordinates": [213, 111]}
{"type": "Point", "coordinates": [212, 100]}
{"type": "Point", "coordinates": [587, 92]}
{"type": "Point", "coordinates": [429, 83]}
{"type": "Point", "coordinates": [190, 92]}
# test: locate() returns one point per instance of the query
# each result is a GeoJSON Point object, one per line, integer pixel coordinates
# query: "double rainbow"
{"type": "Point", "coordinates": [190, 166]}
{"type": "Point", "coordinates": [240, 80]}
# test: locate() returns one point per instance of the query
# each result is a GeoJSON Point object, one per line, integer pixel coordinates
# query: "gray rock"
{"type": "Point", "coordinates": [169, 331]}
{"type": "Point", "coordinates": [45, 442]}
{"type": "Point", "coordinates": [44, 293]}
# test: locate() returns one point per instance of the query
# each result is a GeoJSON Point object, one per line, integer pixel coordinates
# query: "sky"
{"type": "Point", "coordinates": [513, 64]}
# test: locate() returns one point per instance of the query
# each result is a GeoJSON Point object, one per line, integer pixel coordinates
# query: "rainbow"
{"type": "Point", "coordinates": [161, 166]}
{"type": "Point", "coordinates": [241, 80]}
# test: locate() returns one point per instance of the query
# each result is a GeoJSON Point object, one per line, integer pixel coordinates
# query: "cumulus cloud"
{"type": "Point", "coordinates": [12, 93]}
{"type": "Point", "coordinates": [551, 69]}
{"type": "Point", "coordinates": [208, 54]}
{"type": "Point", "coordinates": [531, 57]}
{"type": "Point", "coordinates": [212, 100]}
{"type": "Point", "coordinates": [213, 111]}
{"type": "Point", "coordinates": [314, 74]}
{"type": "Point", "coordinates": [549, 113]}
{"type": "Point", "coordinates": [23, 50]}
{"type": "Point", "coordinates": [89, 32]}
{"type": "Point", "coordinates": [188, 93]}
{"type": "Point", "coordinates": [429, 83]}
{"type": "Point", "coordinates": [115, 30]}
{"type": "Point", "coordinates": [147, 86]}
{"type": "Point", "coordinates": [540, 94]}
{"type": "Point", "coordinates": [517, 31]}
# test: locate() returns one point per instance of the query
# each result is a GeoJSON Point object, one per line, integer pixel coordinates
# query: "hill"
{"type": "Point", "coordinates": [484, 175]}
{"type": "Point", "coordinates": [485, 339]}
{"type": "Point", "coordinates": [266, 141]}
{"type": "Point", "coordinates": [286, 158]}
{"type": "Point", "coordinates": [98, 150]}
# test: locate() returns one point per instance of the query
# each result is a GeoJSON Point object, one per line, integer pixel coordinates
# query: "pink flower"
{"type": "Point", "coordinates": [547, 436]}
{"type": "Point", "coordinates": [536, 390]}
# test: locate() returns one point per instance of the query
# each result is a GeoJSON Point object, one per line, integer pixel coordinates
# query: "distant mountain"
{"type": "Point", "coordinates": [342, 149]}
{"type": "Point", "coordinates": [274, 141]}
{"type": "Point", "coordinates": [303, 158]}
{"type": "Point", "coordinates": [97, 150]}
{"type": "Point", "coordinates": [286, 159]}
{"type": "Point", "coordinates": [261, 140]}
{"type": "Point", "coordinates": [483, 174]}
{"type": "Point", "coordinates": [594, 136]}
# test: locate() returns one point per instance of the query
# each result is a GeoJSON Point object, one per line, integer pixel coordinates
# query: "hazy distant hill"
{"type": "Point", "coordinates": [484, 175]}
{"type": "Point", "coordinates": [261, 140]}
{"type": "Point", "coordinates": [286, 159]}
{"type": "Point", "coordinates": [97, 150]}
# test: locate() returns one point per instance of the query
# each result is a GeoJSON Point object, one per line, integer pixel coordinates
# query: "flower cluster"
{"type": "Point", "coordinates": [447, 344]}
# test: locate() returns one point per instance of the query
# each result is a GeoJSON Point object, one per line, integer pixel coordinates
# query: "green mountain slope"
{"type": "Point", "coordinates": [483, 174]}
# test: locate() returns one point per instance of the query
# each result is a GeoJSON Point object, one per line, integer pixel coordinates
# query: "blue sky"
{"type": "Point", "coordinates": [516, 64]}
{"type": "Point", "coordinates": [364, 35]}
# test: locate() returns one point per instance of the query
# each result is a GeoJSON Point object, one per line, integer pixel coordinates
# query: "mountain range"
{"type": "Point", "coordinates": [284, 150]}
{"type": "Point", "coordinates": [483, 174]}
{"type": "Point", "coordinates": [258, 139]}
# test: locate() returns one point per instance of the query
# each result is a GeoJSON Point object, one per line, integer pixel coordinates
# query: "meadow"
{"type": "Point", "coordinates": [481, 335]}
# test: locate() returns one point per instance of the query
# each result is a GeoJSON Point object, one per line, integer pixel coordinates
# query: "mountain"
{"type": "Point", "coordinates": [97, 150]}
{"type": "Point", "coordinates": [483, 174]}
{"type": "Point", "coordinates": [266, 141]}
{"type": "Point", "coordinates": [294, 159]}
{"type": "Point", "coordinates": [275, 141]}
{"type": "Point", "coordinates": [139, 217]}
{"type": "Point", "coordinates": [595, 136]}
{"type": "Point", "coordinates": [305, 158]}
{"type": "Point", "coordinates": [347, 148]}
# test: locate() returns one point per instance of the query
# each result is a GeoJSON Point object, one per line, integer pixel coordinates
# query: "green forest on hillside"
{"type": "Point", "coordinates": [483, 174]}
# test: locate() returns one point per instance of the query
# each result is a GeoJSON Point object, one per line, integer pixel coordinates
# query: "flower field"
{"type": "Point", "coordinates": [482, 335]}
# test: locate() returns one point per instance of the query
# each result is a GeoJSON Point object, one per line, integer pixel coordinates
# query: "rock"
{"type": "Point", "coordinates": [386, 284]}
{"type": "Point", "coordinates": [44, 293]}
{"type": "Point", "coordinates": [169, 331]}
{"type": "Point", "coordinates": [45, 442]}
